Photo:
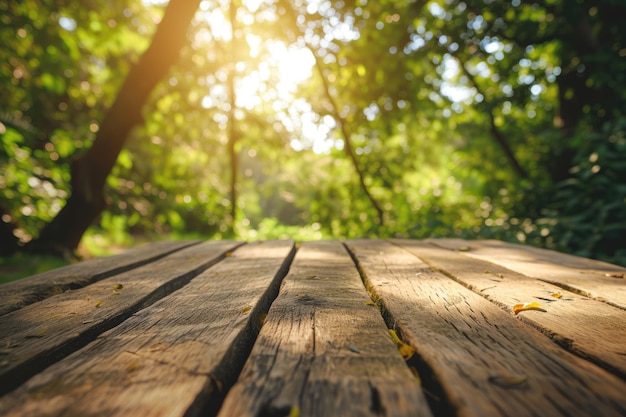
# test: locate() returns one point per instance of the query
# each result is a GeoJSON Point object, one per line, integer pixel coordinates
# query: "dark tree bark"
{"type": "Point", "coordinates": [89, 171]}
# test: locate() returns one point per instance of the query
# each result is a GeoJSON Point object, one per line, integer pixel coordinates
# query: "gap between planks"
{"type": "Point", "coordinates": [473, 346]}
{"type": "Point", "coordinates": [586, 327]}
{"type": "Point", "coordinates": [176, 357]}
{"type": "Point", "coordinates": [17, 294]}
{"type": "Point", "coordinates": [40, 334]}
{"type": "Point", "coordinates": [324, 349]}
{"type": "Point", "coordinates": [135, 361]}
{"type": "Point", "coordinates": [588, 277]}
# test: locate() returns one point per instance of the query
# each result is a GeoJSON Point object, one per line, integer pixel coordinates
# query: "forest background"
{"type": "Point", "coordinates": [124, 121]}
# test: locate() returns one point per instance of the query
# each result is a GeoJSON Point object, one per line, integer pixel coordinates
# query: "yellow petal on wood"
{"type": "Point", "coordinates": [246, 310]}
{"type": "Point", "coordinates": [557, 295]}
{"type": "Point", "coordinates": [370, 303]}
{"type": "Point", "coordinates": [517, 308]}
{"type": "Point", "coordinates": [407, 351]}
{"type": "Point", "coordinates": [118, 286]}
{"type": "Point", "coordinates": [395, 337]}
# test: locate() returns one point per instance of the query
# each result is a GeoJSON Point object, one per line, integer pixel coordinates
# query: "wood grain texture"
{"type": "Point", "coordinates": [324, 350]}
{"type": "Point", "coordinates": [588, 277]}
{"type": "Point", "coordinates": [172, 358]}
{"type": "Point", "coordinates": [17, 294]}
{"type": "Point", "coordinates": [37, 335]}
{"type": "Point", "coordinates": [471, 344]}
{"type": "Point", "coordinates": [590, 328]}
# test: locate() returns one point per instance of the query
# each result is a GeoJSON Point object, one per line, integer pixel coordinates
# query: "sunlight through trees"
{"type": "Point", "coordinates": [314, 119]}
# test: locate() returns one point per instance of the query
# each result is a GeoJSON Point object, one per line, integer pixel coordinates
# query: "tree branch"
{"type": "Point", "coordinates": [89, 172]}
{"type": "Point", "coordinates": [348, 149]}
{"type": "Point", "coordinates": [493, 129]}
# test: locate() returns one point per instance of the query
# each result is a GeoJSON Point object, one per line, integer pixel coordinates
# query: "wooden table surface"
{"type": "Point", "coordinates": [356, 328]}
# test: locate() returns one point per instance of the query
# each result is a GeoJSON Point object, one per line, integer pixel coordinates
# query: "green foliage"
{"type": "Point", "coordinates": [586, 214]}
{"type": "Point", "coordinates": [425, 90]}
{"type": "Point", "coordinates": [24, 265]}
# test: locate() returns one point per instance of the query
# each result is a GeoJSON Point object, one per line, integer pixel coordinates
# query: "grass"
{"type": "Point", "coordinates": [94, 244]}
{"type": "Point", "coordinates": [22, 265]}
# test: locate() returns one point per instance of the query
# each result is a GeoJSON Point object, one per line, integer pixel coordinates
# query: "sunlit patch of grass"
{"type": "Point", "coordinates": [271, 228]}
{"type": "Point", "coordinates": [97, 243]}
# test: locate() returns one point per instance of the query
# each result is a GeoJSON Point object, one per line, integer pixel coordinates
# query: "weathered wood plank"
{"type": "Point", "coordinates": [592, 278]}
{"type": "Point", "coordinates": [324, 350]}
{"type": "Point", "coordinates": [16, 294]}
{"type": "Point", "coordinates": [172, 358]}
{"type": "Point", "coordinates": [590, 328]}
{"type": "Point", "coordinates": [37, 335]}
{"type": "Point", "coordinates": [487, 362]}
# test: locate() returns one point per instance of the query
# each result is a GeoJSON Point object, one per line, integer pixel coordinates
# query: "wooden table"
{"type": "Point", "coordinates": [359, 328]}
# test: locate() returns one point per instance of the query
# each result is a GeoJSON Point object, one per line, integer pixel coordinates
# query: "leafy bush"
{"type": "Point", "coordinates": [586, 214]}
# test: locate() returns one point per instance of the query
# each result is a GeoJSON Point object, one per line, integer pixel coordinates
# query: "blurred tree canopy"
{"type": "Point", "coordinates": [310, 119]}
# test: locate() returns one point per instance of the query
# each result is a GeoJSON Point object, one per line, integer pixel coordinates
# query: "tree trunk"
{"type": "Point", "coordinates": [89, 171]}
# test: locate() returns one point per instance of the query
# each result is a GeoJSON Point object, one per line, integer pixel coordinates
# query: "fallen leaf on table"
{"type": "Point", "coordinates": [554, 296]}
{"type": "Point", "coordinates": [246, 310]}
{"type": "Point", "coordinates": [517, 308]}
{"type": "Point", "coordinates": [370, 303]}
{"type": "Point", "coordinates": [118, 286]}
{"type": "Point", "coordinates": [407, 351]}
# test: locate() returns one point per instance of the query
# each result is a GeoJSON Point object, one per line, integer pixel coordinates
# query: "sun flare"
{"type": "Point", "coordinates": [267, 74]}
